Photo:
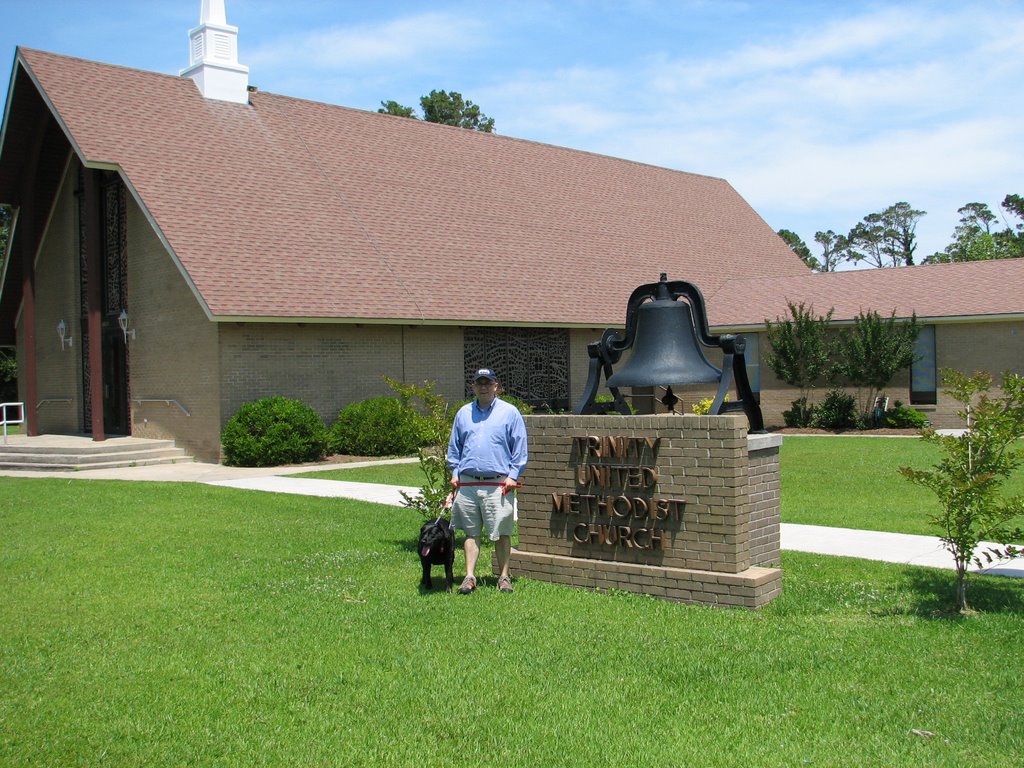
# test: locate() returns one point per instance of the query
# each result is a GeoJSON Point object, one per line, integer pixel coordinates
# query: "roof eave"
{"type": "Point", "coordinates": [924, 320]}
{"type": "Point", "coordinates": [19, 61]}
{"type": "Point", "coordinates": [406, 321]}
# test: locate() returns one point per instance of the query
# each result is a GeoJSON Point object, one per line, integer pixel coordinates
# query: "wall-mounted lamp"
{"type": "Point", "coordinates": [122, 320]}
{"type": "Point", "coordinates": [65, 340]}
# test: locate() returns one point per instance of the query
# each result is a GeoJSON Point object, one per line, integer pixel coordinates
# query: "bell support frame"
{"type": "Point", "coordinates": [608, 351]}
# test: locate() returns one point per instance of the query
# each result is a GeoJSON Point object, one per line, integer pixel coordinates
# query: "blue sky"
{"type": "Point", "coordinates": [816, 112]}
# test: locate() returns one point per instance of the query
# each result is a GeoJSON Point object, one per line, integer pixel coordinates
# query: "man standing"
{"type": "Point", "coordinates": [486, 455]}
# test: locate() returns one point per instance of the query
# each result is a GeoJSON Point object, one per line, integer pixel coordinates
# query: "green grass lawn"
{"type": "Point", "coordinates": [852, 482]}
{"type": "Point", "coordinates": [180, 624]}
{"type": "Point", "coordinates": [408, 474]}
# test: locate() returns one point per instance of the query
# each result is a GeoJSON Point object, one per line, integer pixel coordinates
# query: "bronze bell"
{"type": "Point", "coordinates": [665, 351]}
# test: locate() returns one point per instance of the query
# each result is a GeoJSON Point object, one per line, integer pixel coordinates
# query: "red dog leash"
{"type": "Point", "coordinates": [459, 484]}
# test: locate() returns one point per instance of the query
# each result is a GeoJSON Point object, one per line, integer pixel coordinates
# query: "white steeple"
{"type": "Point", "coordinates": [214, 56]}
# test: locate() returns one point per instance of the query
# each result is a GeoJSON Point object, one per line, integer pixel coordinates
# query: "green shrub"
{"type": "Point", "coordinates": [380, 426]}
{"type": "Point", "coordinates": [800, 415]}
{"type": "Point", "coordinates": [8, 377]}
{"type": "Point", "coordinates": [901, 417]}
{"type": "Point", "coordinates": [273, 431]}
{"type": "Point", "coordinates": [837, 411]}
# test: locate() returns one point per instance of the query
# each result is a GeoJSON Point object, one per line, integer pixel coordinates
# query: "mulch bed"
{"type": "Point", "coordinates": [880, 432]}
{"type": "Point", "coordinates": [341, 458]}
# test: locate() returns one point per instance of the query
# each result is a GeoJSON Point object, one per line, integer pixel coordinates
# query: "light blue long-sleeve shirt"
{"type": "Point", "coordinates": [488, 442]}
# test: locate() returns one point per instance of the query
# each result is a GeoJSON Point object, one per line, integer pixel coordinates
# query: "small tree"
{"type": "Point", "coordinates": [800, 354]}
{"type": "Point", "coordinates": [436, 426]}
{"type": "Point", "coordinates": [872, 352]}
{"type": "Point", "coordinates": [973, 468]}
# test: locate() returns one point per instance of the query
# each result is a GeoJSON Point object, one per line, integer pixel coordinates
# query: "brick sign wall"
{"type": "Point", "coordinates": [681, 507]}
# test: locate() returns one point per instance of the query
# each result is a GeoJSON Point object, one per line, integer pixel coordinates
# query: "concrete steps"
{"type": "Point", "coordinates": [54, 453]}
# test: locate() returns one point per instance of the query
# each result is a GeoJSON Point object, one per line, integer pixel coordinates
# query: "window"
{"type": "Point", "coordinates": [752, 355]}
{"type": "Point", "coordinates": [922, 371]}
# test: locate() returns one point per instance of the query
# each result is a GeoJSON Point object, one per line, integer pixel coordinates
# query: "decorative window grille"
{"type": "Point", "coordinates": [532, 363]}
{"type": "Point", "coordinates": [113, 225]}
{"type": "Point", "coordinates": [83, 294]}
{"type": "Point", "coordinates": [115, 245]}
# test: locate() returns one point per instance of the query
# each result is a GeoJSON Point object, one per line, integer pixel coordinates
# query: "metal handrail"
{"type": "Point", "coordinates": [3, 416]}
{"type": "Point", "coordinates": [161, 400]}
{"type": "Point", "coordinates": [41, 403]}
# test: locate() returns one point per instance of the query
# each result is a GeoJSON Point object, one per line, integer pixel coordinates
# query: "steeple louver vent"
{"type": "Point", "coordinates": [222, 47]}
{"type": "Point", "coordinates": [214, 63]}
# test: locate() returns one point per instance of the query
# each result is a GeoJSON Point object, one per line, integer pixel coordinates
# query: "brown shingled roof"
{"type": "Point", "coordinates": [293, 209]}
{"type": "Point", "coordinates": [978, 289]}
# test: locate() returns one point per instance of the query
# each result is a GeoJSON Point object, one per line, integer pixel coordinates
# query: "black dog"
{"type": "Point", "coordinates": [437, 546]}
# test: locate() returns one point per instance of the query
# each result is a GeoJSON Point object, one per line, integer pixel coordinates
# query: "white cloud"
{"type": "Point", "coordinates": [872, 173]}
{"type": "Point", "coordinates": [406, 39]}
{"type": "Point", "coordinates": [563, 107]}
{"type": "Point", "coordinates": [853, 39]}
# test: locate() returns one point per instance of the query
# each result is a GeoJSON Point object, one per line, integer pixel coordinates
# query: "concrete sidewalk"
{"type": "Point", "coordinates": [844, 542]}
{"type": "Point", "coordinates": [197, 471]}
{"type": "Point", "coordinates": [889, 547]}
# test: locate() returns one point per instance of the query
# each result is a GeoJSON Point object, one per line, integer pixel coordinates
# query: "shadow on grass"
{"type": "Point", "coordinates": [406, 545]}
{"type": "Point", "coordinates": [439, 585]}
{"type": "Point", "coordinates": [934, 594]}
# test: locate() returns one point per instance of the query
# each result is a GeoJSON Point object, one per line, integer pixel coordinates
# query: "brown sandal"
{"type": "Point", "coordinates": [504, 584]}
{"type": "Point", "coordinates": [468, 585]}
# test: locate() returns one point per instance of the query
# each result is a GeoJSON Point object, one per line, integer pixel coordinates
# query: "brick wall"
{"type": "Point", "coordinates": [994, 347]}
{"type": "Point", "coordinates": [763, 484]}
{"type": "Point", "coordinates": [174, 356]}
{"type": "Point", "coordinates": [675, 506]}
{"type": "Point", "coordinates": [59, 374]}
{"type": "Point", "coordinates": [579, 360]}
{"type": "Point", "coordinates": [329, 366]}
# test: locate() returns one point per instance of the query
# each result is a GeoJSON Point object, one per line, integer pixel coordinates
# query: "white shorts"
{"type": "Point", "coordinates": [484, 506]}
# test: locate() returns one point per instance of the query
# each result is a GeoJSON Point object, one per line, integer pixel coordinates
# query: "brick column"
{"type": "Point", "coordinates": [681, 507]}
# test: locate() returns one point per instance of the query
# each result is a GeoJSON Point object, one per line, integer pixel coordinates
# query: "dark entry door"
{"type": "Point", "coordinates": [115, 380]}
